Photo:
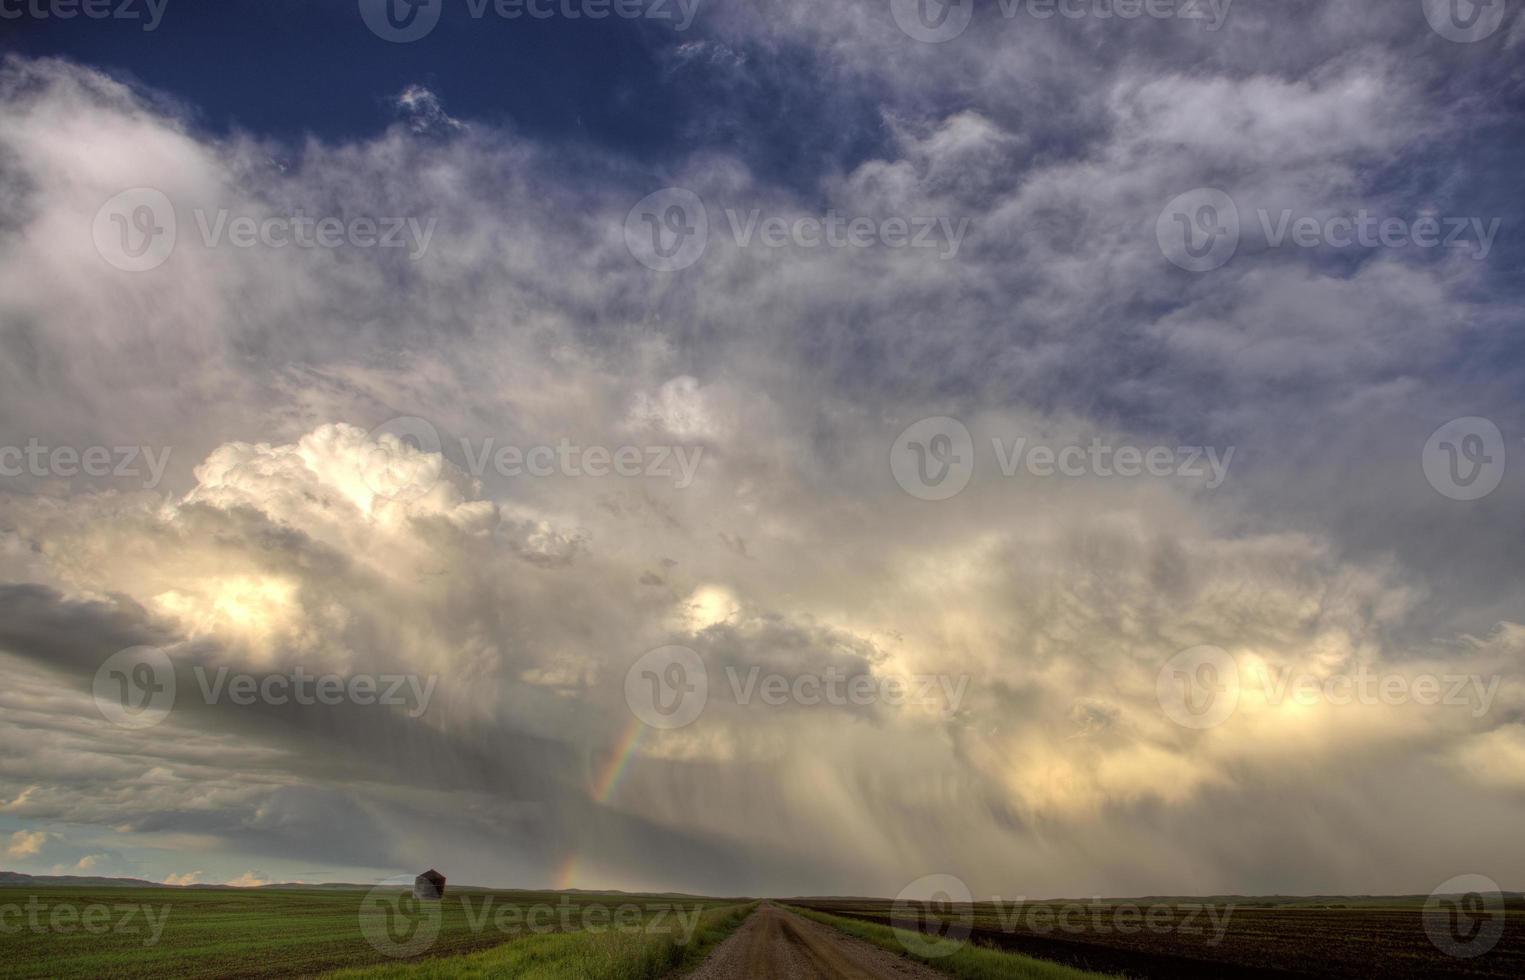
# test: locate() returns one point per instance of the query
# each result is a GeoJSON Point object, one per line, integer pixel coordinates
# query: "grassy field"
{"type": "Point", "coordinates": [966, 962]}
{"type": "Point", "coordinates": [69, 932]}
{"type": "Point", "coordinates": [639, 955]}
{"type": "Point", "coordinates": [179, 933]}
{"type": "Point", "coordinates": [1342, 938]}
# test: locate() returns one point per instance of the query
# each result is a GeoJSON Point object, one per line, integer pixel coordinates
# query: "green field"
{"type": "Point", "coordinates": [174, 933]}
{"type": "Point", "coordinates": [575, 955]}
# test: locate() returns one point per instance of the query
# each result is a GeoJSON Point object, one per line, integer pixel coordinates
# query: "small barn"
{"type": "Point", "coordinates": [430, 885]}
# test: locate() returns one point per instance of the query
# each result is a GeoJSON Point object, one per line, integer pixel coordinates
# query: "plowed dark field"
{"type": "Point", "coordinates": [1387, 941]}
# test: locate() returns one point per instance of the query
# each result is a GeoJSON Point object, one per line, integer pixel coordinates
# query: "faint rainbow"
{"type": "Point", "coordinates": [604, 787]}
{"type": "Point", "coordinates": [614, 770]}
{"type": "Point", "coordinates": [567, 873]}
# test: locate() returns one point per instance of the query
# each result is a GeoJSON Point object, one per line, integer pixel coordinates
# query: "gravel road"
{"type": "Point", "coordinates": [777, 945]}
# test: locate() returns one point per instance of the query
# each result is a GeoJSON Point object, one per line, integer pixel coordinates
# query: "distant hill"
{"type": "Point", "coordinates": [15, 879]}
{"type": "Point", "coordinates": [1246, 901]}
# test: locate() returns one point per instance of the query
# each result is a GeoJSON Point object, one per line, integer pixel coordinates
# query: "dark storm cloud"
{"type": "Point", "coordinates": [1060, 321]}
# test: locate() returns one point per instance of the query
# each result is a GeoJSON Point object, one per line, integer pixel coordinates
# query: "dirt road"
{"type": "Point", "coordinates": [777, 945]}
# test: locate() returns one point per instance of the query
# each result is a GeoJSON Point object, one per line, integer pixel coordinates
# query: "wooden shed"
{"type": "Point", "coordinates": [429, 885]}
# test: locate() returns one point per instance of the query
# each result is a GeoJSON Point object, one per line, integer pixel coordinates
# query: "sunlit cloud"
{"type": "Point", "coordinates": [333, 500]}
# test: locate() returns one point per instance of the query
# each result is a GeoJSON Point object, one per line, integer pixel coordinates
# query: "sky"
{"type": "Point", "coordinates": [765, 448]}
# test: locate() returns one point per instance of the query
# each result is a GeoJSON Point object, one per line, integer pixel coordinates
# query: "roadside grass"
{"type": "Point", "coordinates": [574, 955]}
{"type": "Point", "coordinates": [967, 962]}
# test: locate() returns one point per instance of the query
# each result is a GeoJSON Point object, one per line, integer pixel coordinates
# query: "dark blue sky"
{"type": "Point", "coordinates": [287, 69]}
{"type": "Point", "coordinates": [290, 69]}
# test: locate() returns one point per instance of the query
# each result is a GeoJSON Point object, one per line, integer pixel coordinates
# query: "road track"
{"type": "Point", "coordinates": [774, 944]}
